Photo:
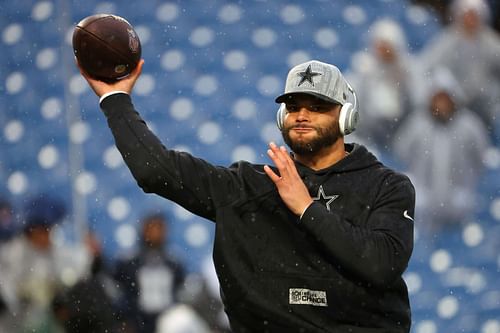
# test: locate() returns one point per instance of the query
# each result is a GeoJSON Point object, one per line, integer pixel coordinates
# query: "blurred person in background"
{"type": "Point", "coordinates": [470, 48]}
{"type": "Point", "coordinates": [7, 220]}
{"type": "Point", "coordinates": [7, 230]}
{"type": "Point", "coordinates": [181, 318]}
{"type": "Point", "coordinates": [150, 279]}
{"type": "Point", "coordinates": [442, 8]}
{"type": "Point", "coordinates": [385, 80]}
{"type": "Point", "coordinates": [442, 148]}
{"type": "Point", "coordinates": [197, 310]}
{"type": "Point", "coordinates": [201, 293]}
{"type": "Point", "coordinates": [31, 270]}
{"type": "Point", "coordinates": [218, 318]}
{"type": "Point", "coordinates": [90, 306]}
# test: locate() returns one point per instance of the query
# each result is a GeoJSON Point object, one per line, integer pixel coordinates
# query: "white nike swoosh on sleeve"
{"type": "Point", "coordinates": [405, 214]}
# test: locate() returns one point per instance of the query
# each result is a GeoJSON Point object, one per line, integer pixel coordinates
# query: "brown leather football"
{"type": "Point", "coordinates": [106, 47]}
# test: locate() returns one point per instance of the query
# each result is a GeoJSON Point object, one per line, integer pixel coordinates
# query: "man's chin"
{"type": "Point", "coordinates": [303, 138]}
{"type": "Point", "coordinates": [310, 142]}
{"type": "Point", "coordinates": [301, 143]}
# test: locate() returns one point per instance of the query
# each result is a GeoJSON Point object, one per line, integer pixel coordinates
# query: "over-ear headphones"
{"type": "Point", "coordinates": [348, 117]}
{"type": "Point", "coordinates": [280, 116]}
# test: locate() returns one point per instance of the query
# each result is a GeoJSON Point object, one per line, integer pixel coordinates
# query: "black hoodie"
{"type": "Point", "coordinates": [337, 269]}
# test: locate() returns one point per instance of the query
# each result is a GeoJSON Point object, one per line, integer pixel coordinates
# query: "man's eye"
{"type": "Point", "coordinates": [318, 108]}
{"type": "Point", "coordinates": [292, 108]}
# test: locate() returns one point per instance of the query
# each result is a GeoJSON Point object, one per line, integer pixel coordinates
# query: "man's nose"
{"type": "Point", "coordinates": [303, 114]}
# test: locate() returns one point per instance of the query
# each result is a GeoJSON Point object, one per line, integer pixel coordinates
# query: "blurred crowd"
{"type": "Point", "coordinates": [432, 114]}
{"type": "Point", "coordinates": [48, 286]}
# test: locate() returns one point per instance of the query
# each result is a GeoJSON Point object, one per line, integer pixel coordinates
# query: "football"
{"type": "Point", "coordinates": [106, 47]}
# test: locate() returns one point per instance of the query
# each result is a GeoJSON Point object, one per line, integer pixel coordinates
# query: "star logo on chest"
{"type": "Point", "coordinates": [327, 199]}
{"type": "Point", "coordinates": [307, 76]}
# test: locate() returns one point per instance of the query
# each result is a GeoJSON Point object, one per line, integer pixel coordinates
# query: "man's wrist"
{"type": "Point", "coordinates": [305, 209]}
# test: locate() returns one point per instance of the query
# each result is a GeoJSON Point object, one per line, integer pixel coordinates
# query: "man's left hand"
{"type": "Point", "coordinates": [291, 188]}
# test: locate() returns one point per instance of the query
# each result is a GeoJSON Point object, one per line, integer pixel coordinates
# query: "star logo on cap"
{"type": "Point", "coordinates": [307, 76]}
{"type": "Point", "coordinates": [322, 197]}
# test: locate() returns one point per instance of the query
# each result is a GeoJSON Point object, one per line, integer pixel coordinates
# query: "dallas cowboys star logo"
{"type": "Point", "coordinates": [323, 197]}
{"type": "Point", "coordinates": [307, 76]}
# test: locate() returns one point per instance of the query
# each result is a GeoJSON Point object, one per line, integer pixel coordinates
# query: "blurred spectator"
{"type": "Point", "coordinates": [90, 305]}
{"type": "Point", "coordinates": [384, 79]}
{"type": "Point", "coordinates": [6, 232]}
{"type": "Point", "coordinates": [199, 295]}
{"type": "Point", "coordinates": [218, 319]}
{"type": "Point", "coordinates": [149, 280]}
{"type": "Point", "coordinates": [471, 50]}
{"type": "Point", "coordinates": [199, 308]}
{"type": "Point", "coordinates": [30, 272]}
{"type": "Point", "coordinates": [7, 221]}
{"type": "Point", "coordinates": [442, 8]}
{"type": "Point", "coordinates": [181, 319]}
{"type": "Point", "coordinates": [442, 148]}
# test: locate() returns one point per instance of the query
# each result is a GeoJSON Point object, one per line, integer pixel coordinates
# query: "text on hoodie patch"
{"type": "Point", "coordinates": [307, 297]}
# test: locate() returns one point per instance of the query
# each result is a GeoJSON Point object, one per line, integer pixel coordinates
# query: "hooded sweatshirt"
{"type": "Point", "coordinates": [337, 268]}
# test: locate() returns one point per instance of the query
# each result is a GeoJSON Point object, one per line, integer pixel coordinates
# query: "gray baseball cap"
{"type": "Point", "coordinates": [316, 78]}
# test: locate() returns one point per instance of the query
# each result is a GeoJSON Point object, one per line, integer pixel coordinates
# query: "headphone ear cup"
{"type": "Point", "coordinates": [348, 119]}
{"type": "Point", "coordinates": [280, 116]}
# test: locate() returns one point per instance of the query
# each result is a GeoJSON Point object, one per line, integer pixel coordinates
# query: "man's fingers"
{"type": "Point", "coordinates": [282, 167]}
{"type": "Point", "coordinates": [292, 169]}
{"type": "Point", "coordinates": [287, 167]}
{"type": "Point", "coordinates": [138, 69]}
{"type": "Point", "coordinates": [136, 72]}
{"type": "Point", "coordinates": [286, 157]}
{"type": "Point", "coordinates": [277, 161]}
{"type": "Point", "coordinates": [274, 177]}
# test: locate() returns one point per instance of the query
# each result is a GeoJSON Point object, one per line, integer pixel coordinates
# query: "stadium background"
{"type": "Point", "coordinates": [211, 74]}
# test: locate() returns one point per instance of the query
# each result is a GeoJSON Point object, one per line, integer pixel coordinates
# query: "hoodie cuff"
{"type": "Point", "coordinates": [116, 105]}
{"type": "Point", "coordinates": [111, 93]}
{"type": "Point", "coordinates": [312, 211]}
{"type": "Point", "coordinates": [303, 212]}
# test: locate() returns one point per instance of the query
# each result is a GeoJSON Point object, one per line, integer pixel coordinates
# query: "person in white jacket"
{"type": "Point", "coordinates": [442, 147]}
{"type": "Point", "coordinates": [470, 48]}
{"type": "Point", "coordinates": [385, 79]}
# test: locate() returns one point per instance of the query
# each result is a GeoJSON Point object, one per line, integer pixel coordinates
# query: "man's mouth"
{"type": "Point", "coordinates": [302, 129]}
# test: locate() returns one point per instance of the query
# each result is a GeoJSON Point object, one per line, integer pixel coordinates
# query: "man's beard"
{"type": "Point", "coordinates": [325, 138]}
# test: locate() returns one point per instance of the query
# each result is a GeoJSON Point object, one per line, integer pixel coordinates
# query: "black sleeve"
{"type": "Point", "coordinates": [191, 182]}
{"type": "Point", "coordinates": [376, 252]}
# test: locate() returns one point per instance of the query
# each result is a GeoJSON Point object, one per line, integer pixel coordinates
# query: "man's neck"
{"type": "Point", "coordinates": [324, 158]}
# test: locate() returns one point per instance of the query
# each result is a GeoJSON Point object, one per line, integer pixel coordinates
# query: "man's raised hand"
{"type": "Point", "coordinates": [126, 84]}
{"type": "Point", "coordinates": [291, 188]}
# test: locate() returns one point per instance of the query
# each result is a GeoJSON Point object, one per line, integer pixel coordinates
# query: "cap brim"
{"type": "Point", "coordinates": [286, 97]}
